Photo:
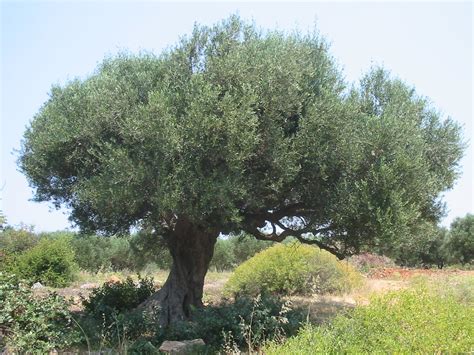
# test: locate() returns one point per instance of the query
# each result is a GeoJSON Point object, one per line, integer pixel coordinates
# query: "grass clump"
{"type": "Point", "coordinates": [409, 321]}
{"type": "Point", "coordinates": [292, 269]}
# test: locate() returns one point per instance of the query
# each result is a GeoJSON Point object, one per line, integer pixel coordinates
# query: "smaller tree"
{"type": "Point", "coordinates": [461, 240]}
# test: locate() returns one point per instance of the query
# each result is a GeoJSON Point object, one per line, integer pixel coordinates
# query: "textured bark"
{"type": "Point", "coordinates": [192, 249]}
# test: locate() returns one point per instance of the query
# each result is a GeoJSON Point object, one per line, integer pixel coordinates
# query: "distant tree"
{"type": "Point", "coordinates": [245, 246]}
{"type": "Point", "coordinates": [17, 240]}
{"type": "Point", "coordinates": [3, 220]}
{"type": "Point", "coordinates": [461, 240]}
{"type": "Point", "coordinates": [236, 129]}
{"type": "Point", "coordinates": [436, 250]}
{"type": "Point", "coordinates": [223, 257]}
{"type": "Point", "coordinates": [427, 246]}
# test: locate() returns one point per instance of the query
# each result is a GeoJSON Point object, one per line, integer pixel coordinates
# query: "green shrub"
{"type": "Point", "coordinates": [111, 320]}
{"type": "Point", "coordinates": [92, 253]}
{"type": "Point", "coordinates": [117, 297]}
{"type": "Point", "coordinates": [33, 325]}
{"type": "Point", "coordinates": [122, 331]}
{"type": "Point", "coordinates": [50, 262]}
{"type": "Point", "coordinates": [292, 269]}
{"type": "Point", "coordinates": [249, 322]}
{"type": "Point", "coordinates": [404, 322]}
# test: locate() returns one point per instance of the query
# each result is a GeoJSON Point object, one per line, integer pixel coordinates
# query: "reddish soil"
{"type": "Point", "coordinates": [402, 273]}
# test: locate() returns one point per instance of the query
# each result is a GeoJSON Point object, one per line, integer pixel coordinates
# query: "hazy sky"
{"type": "Point", "coordinates": [427, 44]}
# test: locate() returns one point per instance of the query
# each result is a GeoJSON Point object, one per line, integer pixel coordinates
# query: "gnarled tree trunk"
{"type": "Point", "coordinates": [191, 248]}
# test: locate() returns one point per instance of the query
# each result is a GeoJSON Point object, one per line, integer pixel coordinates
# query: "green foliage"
{"type": "Point", "coordinates": [50, 262]}
{"type": "Point", "coordinates": [412, 321]}
{"type": "Point", "coordinates": [223, 258]}
{"type": "Point", "coordinates": [246, 246]}
{"type": "Point", "coordinates": [148, 248]}
{"type": "Point", "coordinates": [14, 241]}
{"type": "Point", "coordinates": [253, 321]}
{"type": "Point", "coordinates": [3, 220]}
{"type": "Point", "coordinates": [248, 321]}
{"type": "Point", "coordinates": [32, 324]}
{"type": "Point", "coordinates": [117, 297]}
{"type": "Point", "coordinates": [110, 318]}
{"type": "Point", "coordinates": [232, 251]}
{"type": "Point", "coordinates": [92, 253]}
{"type": "Point", "coordinates": [292, 269]}
{"type": "Point", "coordinates": [95, 253]}
{"type": "Point", "coordinates": [461, 240]}
{"type": "Point", "coordinates": [125, 332]}
{"type": "Point", "coordinates": [427, 247]}
{"type": "Point", "coordinates": [235, 126]}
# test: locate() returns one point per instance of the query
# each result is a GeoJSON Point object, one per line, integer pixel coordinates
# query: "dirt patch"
{"type": "Point", "coordinates": [406, 273]}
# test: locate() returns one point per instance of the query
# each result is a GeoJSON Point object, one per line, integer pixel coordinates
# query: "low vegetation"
{"type": "Point", "coordinates": [49, 261]}
{"type": "Point", "coordinates": [433, 314]}
{"type": "Point", "coordinates": [415, 320]}
{"type": "Point", "coordinates": [289, 269]}
{"type": "Point", "coordinates": [29, 324]}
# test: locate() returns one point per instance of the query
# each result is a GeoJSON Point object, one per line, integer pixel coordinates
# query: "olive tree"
{"type": "Point", "coordinates": [461, 240]}
{"type": "Point", "coordinates": [238, 129]}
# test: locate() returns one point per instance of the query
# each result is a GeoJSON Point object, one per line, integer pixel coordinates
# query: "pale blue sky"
{"type": "Point", "coordinates": [427, 44]}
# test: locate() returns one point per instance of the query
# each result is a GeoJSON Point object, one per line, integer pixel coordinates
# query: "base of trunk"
{"type": "Point", "coordinates": [192, 249]}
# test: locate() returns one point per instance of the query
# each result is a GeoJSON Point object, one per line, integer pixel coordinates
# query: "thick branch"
{"type": "Point", "coordinates": [298, 234]}
{"type": "Point", "coordinates": [334, 251]}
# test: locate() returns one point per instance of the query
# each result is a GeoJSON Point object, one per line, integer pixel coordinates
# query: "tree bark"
{"type": "Point", "coordinates": [191, 248]}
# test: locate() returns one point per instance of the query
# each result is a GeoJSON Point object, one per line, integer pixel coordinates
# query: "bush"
{"type": "Point", "coordinates": [403, 322]}
{"type": "Point", "coordinates": [33, 325]}
{"type": "Point", "coordinates": [117, 297]}
{"type": "Point", "coordinates": [147, 248]}
{"type": "Point", "coordinates": [292, 269]}
{"type": "Point", "coordinates": [365, 262]}
{"type": "Point", "coordinates": [247, 322]}
{"type": "Point", "coordinates": [110, 318]}
{"type": "Point", "coordinates": [50, 262]}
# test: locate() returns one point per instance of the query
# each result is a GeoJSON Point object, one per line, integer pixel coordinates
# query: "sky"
{"type": "Point", "coordinates": [429, 45]}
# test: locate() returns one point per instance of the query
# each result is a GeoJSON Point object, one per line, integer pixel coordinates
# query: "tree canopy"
{"type": "Point", "coordinates": [461, 239]}
{"type": "Point", "coordinates": [241, 129]}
